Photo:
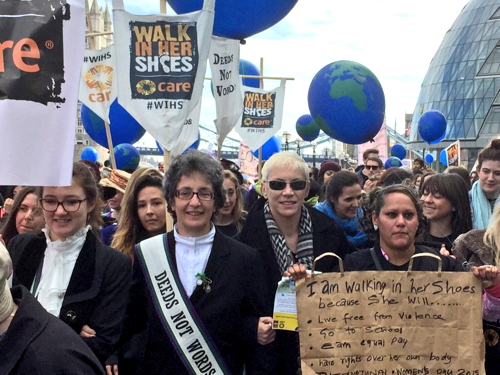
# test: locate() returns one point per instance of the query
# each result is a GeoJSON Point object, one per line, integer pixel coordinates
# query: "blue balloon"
{"type": "Point", "coordinates": [347, 102]}
{"type": "Point", "coordinates": [239, 19]}
{"type": "Point", "coordinates": [399, 151]}
{"type": "Point", "coordinates": [249, 69]}
{"type": "Point", "coordinates": [306, 128]}
{"type": "Point", "coordinates": [432, 126]}
{"type": "Point", "coordinates": [442, 157]}
{"type": "Point", "coordinates": [124, 128]}
{"type": "Point", "coordinates": [271, 147]}
{"type": "Point", "coordinates": [429, 158]}
{"type": "Point", "coordinates": [127, 157]}
{"type": "Point", "coordinates": [393, 162]}
{"type": "Point", "coordinates": [89, 153]}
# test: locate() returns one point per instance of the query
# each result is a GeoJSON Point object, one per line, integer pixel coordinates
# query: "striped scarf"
{"type": "Point", "coordinates": [284, 256]}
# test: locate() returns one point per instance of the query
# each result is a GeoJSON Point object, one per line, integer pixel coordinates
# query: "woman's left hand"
{"type": "Point", "coordinates": [87, 332]}
{"type": "Point", "coordinates": [489, 274]}
{"type": "Point", "coordinates": [296, 272]}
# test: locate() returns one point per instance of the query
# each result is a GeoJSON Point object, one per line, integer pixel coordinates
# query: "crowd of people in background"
{"type": "Point", "coordinates": [173, 270]}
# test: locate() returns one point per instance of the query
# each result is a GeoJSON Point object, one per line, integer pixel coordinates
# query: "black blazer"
{"type": "Point", "coordinates": [230, 312]}
{"type": "Point", "coordinates": [97, 293]}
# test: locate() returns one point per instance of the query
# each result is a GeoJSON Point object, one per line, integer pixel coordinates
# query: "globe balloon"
{"type": "Point", "coordinates": [347, 102]}
{"type": "Point", "coordinates": [271, 147]}
{"type": "Point", "coordinates": [89, 153]}
{"type": "Point", "coordinates": [432, 126]}
{"type": "Point", "coordinates": [127, 157]}
{"type": "Point", "coordinates": [306, 128]}
{"type": "Point", "coordinates": [249, 69]}
{"type": "Point", "coordinates": [124, 128]}
{"type": "Point", "coordinates": [442, 157]}
{"type": "Point", "coordinates": [429, 158]}
{"type": "Point", "coordinates": [399, 151]}
{"type": "Point", "coordinates": [239, 19]}
{"type": "Point", "coordinates": [393, 162]}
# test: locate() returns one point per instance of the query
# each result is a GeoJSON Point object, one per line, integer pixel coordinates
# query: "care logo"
{"type": "Point", "coordinates": [99, 78]}
{"type": "Point", "coordinates": [31, 50]}
{"type": "Point", "coordinates": [145, 87]}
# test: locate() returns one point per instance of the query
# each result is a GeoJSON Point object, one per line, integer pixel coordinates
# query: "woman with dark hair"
{"type": "Point", "coordinates": [26, 215]}
{"type": "Point", "coordinates": [343, 204]}
{"type": "Point", "coordinates": [485, 193]}
{"type": "Point", "coordinates": [189, 288]}
{"type": "Point", "coordinates": [230, 218]}
{"type": "Point", "coordinates": [445, 202]}
{"type": "Point", "coordinates": [327, 170]}
{"type": "Point", "coordinates": [143, 214]}
{"type": "Point", "coordinates": [69, 271]}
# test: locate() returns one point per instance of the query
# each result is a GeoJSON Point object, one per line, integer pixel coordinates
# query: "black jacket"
{"type": "Point", "coordinates": [97, 293]}
{"type": "Point", "coordinates": [230, 312]}
{"type": "Point", "coordinates": [327, 237]}
{"type": "Point", "coordinates": [38, 343]}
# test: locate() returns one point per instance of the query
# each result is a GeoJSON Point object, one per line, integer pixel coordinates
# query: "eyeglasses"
{"type": "Point", "coordinates": [203, 195]}
{"type": "Point", "coordinates": [280, 185]}
{"type": "Point", "coordinates": [69, 205]}
{"type": "Point", "coordinates": [374, 167]}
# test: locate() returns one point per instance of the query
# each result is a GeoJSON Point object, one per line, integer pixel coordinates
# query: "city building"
{"type": "Point", "coordinates": [463, 82]}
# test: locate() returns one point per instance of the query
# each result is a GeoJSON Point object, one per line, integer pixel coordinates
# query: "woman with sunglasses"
{"type": "Point", "coordinates": [343, 204]}
{"type": "Point", "coordinates": [285, 231]}
{"type": "Point", "coordinates": [69, 271]}
{"type": "Point", "coordinates": [230, 218]}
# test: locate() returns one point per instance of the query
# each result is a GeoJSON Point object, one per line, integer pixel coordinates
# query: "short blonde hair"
{"type": "Point", "coordinates": [285, 159]}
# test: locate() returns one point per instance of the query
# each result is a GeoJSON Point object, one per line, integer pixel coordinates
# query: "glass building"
{"type": "Point", "coordinates": [463, 82]}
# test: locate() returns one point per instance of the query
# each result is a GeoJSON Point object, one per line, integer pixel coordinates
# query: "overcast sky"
{"type": "Point", "coordinates": [395, 39]}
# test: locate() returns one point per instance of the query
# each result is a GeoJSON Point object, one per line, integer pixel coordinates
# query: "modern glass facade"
{"type": "Point", "coordinates": [463, 82]}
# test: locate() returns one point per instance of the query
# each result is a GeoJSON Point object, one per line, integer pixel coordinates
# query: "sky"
{"type": "Point", "coordinates": [395, 39]}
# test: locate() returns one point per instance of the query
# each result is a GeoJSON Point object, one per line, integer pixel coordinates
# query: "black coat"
{"type": "Point", "coordinates": [97, 293]}
{"type": "Point", "coordinates": [37, 343]}
{"type": "Point", "coordinates": [230, 312]}
{"type": "Point", "coordinates": [327, 237]}
{"type": "Point", "coordinates": [363, 261]}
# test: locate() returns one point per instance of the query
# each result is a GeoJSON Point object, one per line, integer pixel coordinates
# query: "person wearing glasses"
{"type": "Point", "coordinates": [196, 292]}
{"type": "Point", "coordinates": [69, 270]}
{"type": "Point", "coordinates": [373, 165]}
{"type": "Point", "coordinates": [230, 218]}
{"type": "Point", "coordinates": [285, 231]}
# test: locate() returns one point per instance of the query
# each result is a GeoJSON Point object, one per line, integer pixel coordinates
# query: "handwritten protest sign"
{"type": "Point", "coordinates": [391, 323]}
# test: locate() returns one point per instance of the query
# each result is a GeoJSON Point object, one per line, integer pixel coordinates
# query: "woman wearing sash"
{"type": "Point", "coordinates": [69, 270]}
{"type": "Point", "coordinates": [196, 291]}
{"type": "Point", "coordinates": [286, 231]}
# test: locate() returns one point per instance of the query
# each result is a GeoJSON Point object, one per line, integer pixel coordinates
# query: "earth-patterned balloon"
{"type": "Point", "coordinates": [393, 162]}
{"type": "Point", "coordinates": [127, 157]}
{"type": "Point", "coordinates": [306, 128]}
{"type": "Point", "coordinates": [347, 102]}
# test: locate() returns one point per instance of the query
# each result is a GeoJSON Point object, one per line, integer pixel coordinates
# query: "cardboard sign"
{"type": "Point", "coordinates": [391, 323]}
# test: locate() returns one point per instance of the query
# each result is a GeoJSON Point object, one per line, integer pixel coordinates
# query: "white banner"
{"type": "Point", "coordinates": [98, 81]}
{"type": "Point", "coordinates": [43, 44]}
{"type": "Point", "coordinates": [261, 115]}
{"type": "Point", "coordinates": [226, 84]}
{"type": "Point", "coordinates": [190, 132]}
{"type": "Point", "coordinates": [161, 62]}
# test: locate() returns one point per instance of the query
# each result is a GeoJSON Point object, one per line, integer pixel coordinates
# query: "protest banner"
{"type": "Point", "coordinates": [261, 116]}
{"type": "Point", "coordinates": [161, 63]}
{"type": "Point", "coordinates": [453, 154]}
{"type": "Point", "coordinates": [391, 323]}
{"type": "Point", "coordinates": [40, 62]}
{"type": "Point", "coordinates": [98, 81]}
{"type": "Point", "coordinates": [226, 84]}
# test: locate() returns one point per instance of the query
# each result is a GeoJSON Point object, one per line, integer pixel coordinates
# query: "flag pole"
{"type": "Point", "coordinates": [261, 86]}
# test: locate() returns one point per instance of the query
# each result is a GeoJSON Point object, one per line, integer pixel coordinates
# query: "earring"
{"type": "Point", "coordinates": [375, 226]}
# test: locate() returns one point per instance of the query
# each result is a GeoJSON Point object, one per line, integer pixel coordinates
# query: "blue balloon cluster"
{"type": "Point", "coordinates": [432, 126]}
{"type": "Point", "coordinates": [124, 128]}
{"type": "Point", "coordinates": [89, 153]}
{"type": "Point", "coordinates": [399, 151]}
{"type": "Point", "coordinates": [239, 19]}
{"type": "Point", "coordinates": [271, 147]}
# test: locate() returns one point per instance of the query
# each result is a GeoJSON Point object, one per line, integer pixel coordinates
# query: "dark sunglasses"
{"type": "Point", "coordinates": [374, 167]}
{"type": "Point", "coordinates": [280, 185]}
